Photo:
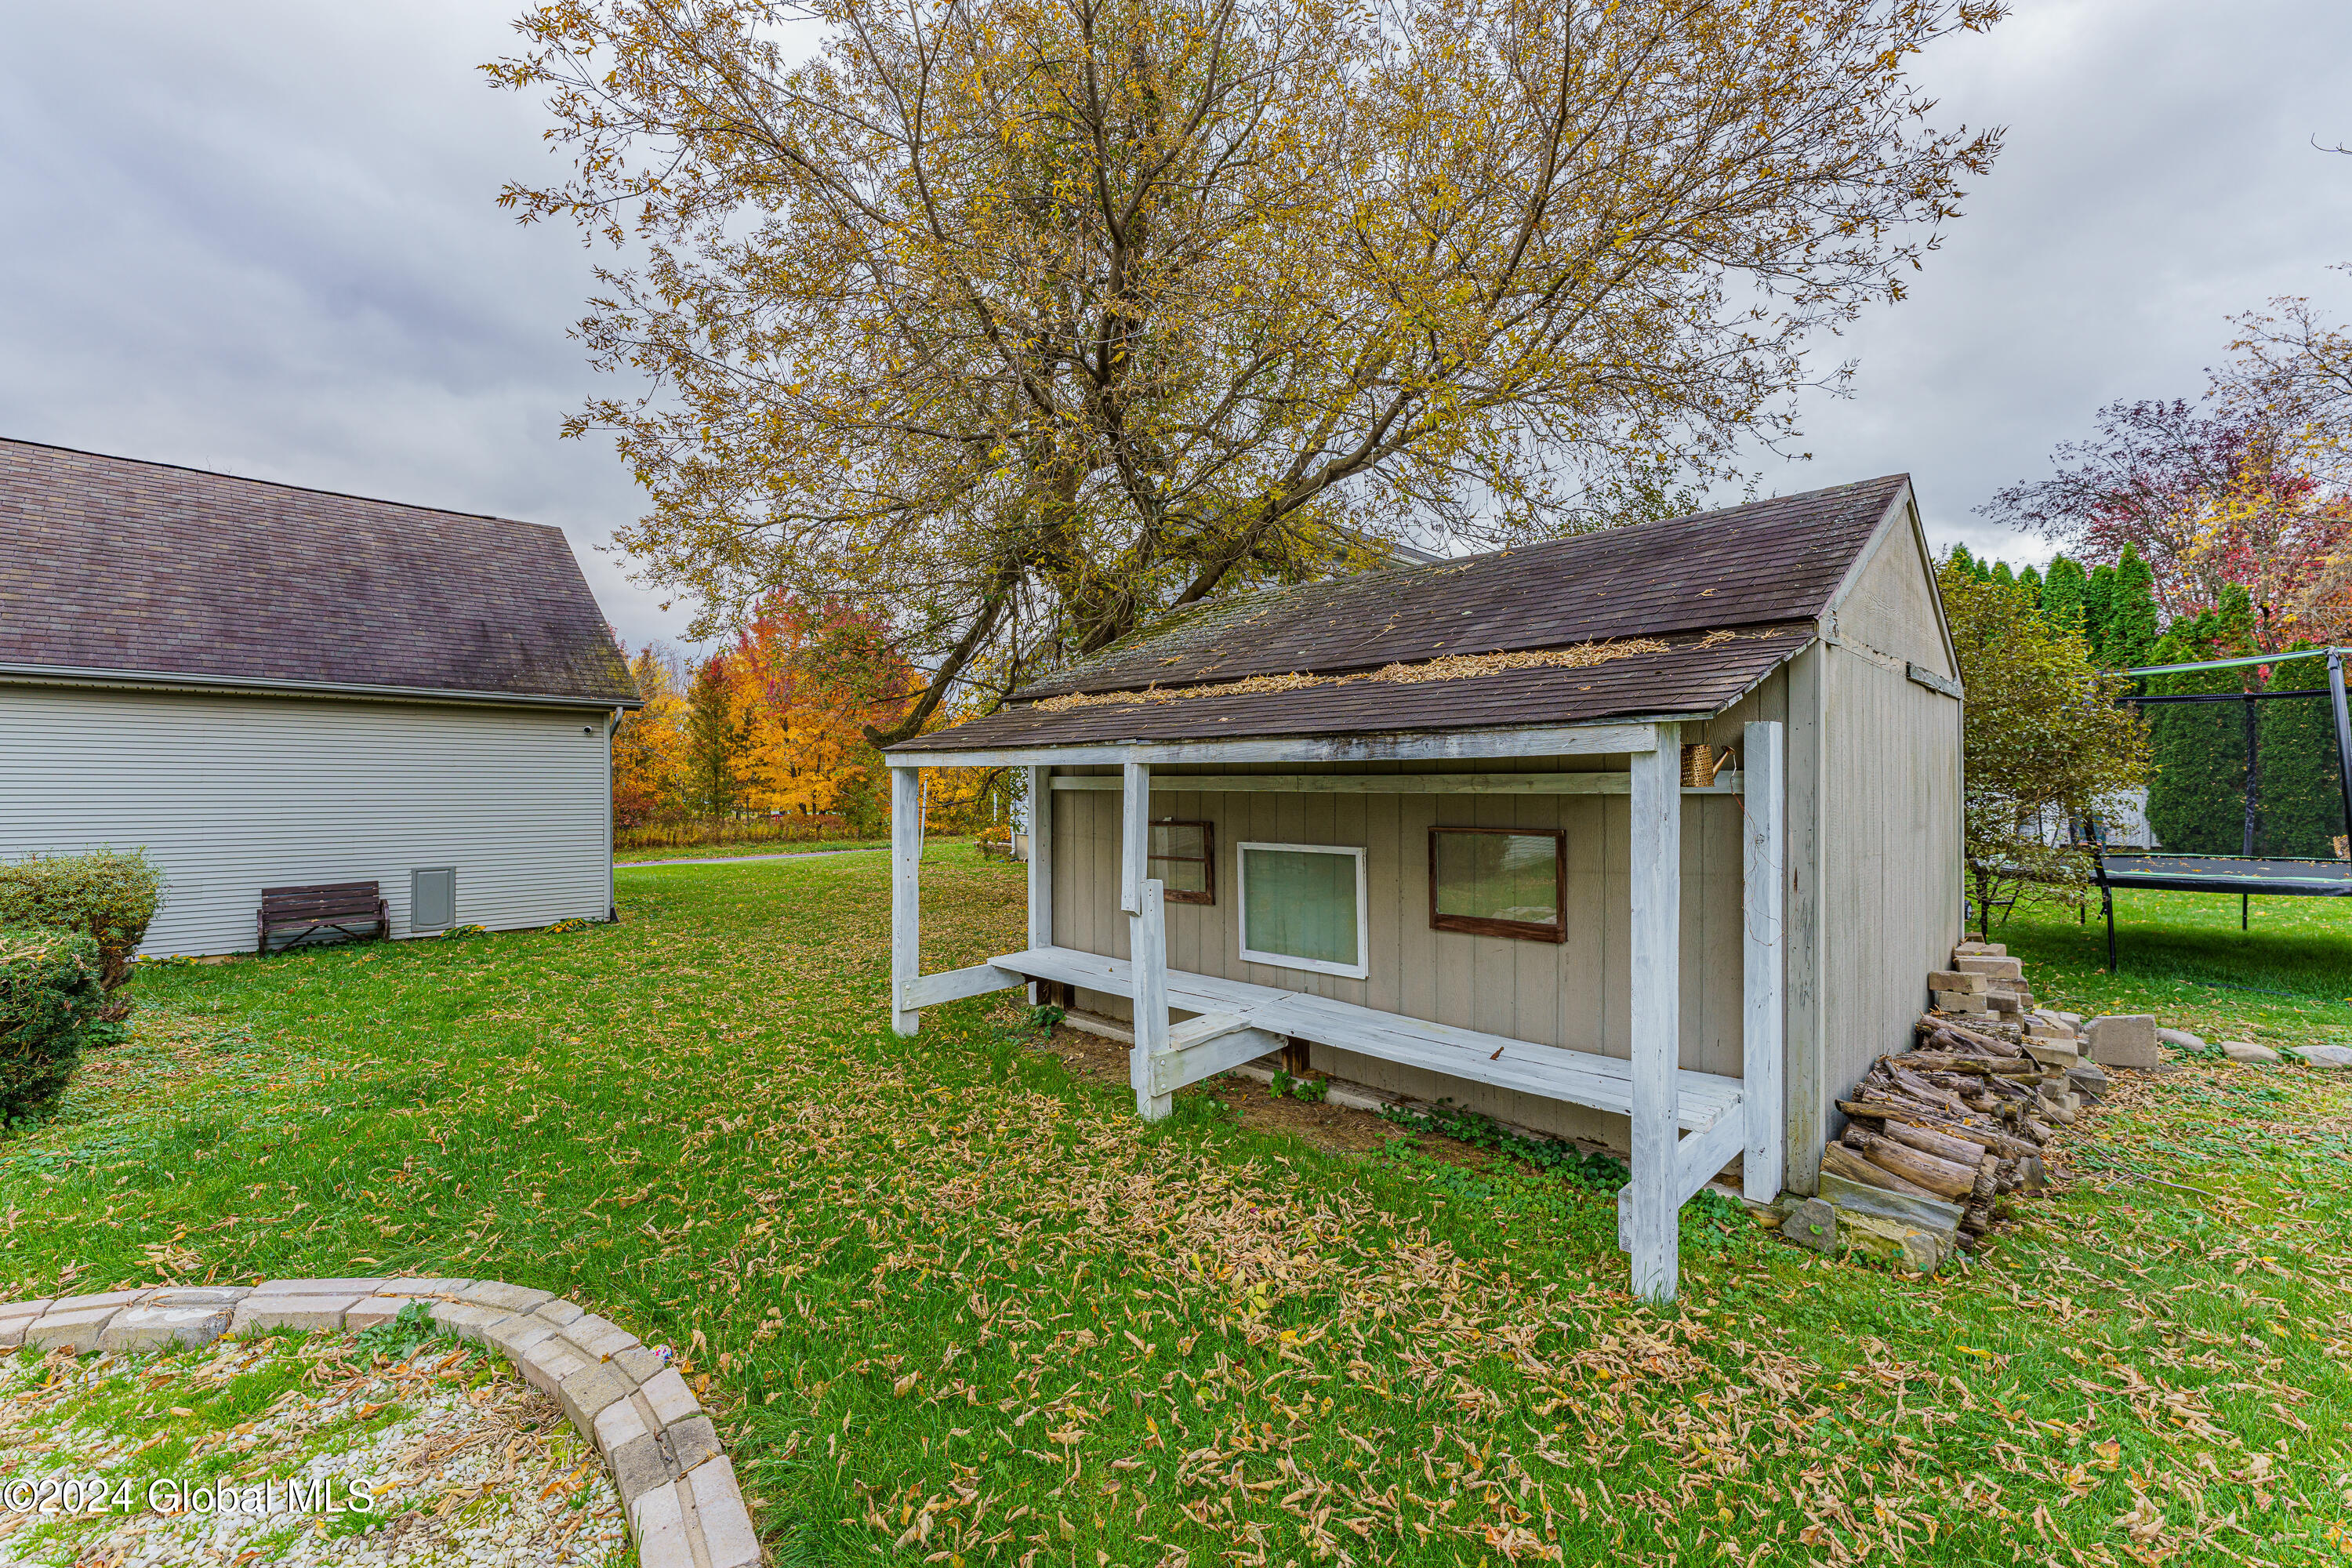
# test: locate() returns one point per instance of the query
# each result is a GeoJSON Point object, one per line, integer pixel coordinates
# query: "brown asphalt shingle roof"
{"type": "Point", "coordinates": [107, 564]}
{"type": "Point", "coordinates": [1768, 569]}
{"type": "Point", "coordinates": [1776, 560]}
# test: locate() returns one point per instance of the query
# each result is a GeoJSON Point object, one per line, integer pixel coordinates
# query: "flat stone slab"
{"type": "Point", "coordinates": [2179, 1040]}
{"type": "Point", "coordinates": [2325, 1056]}
{"type": "Point", "coordinates": [2247, 1051]}
{"type": "Point", "coordinates": [2123, 1040]}
{"type": "Point", "coordinates": [1989, 966]}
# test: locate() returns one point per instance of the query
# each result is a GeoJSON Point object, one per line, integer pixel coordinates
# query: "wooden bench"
{"type": "Point", "coordinates": [349, 908]}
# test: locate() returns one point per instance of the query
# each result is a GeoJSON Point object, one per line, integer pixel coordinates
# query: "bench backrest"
{"type": "Point", "coordinates": [322, 902]}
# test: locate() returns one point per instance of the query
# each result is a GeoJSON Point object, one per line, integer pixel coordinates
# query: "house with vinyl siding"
{"type": "Point", "coordinates": [265, 686]}
{"type": "Point", "coordinates": [1645, 837]}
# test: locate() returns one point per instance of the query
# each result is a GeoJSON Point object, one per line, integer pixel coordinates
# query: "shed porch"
{"type": "Point", "coordinates": [1686, 1126]}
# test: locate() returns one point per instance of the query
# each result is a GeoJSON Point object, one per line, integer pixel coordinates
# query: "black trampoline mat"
{"type": "Point", "coordinates": [2229, 874]}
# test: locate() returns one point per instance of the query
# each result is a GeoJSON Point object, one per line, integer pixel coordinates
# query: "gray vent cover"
{"type": "Point", "coordinates": [433, 899]}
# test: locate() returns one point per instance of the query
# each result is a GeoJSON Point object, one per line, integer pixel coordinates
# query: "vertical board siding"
{"type": "Point", "coordinates": [231, 794]}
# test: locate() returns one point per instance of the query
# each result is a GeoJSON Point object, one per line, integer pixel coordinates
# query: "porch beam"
{"type": "Point", "coordinates": [1148, 943]}
{"type": "Point", "coordinates": [1609, 782]}
{"type": "Point", "coordinates": [1655, 949]}
{"type": "Point", "coordinates": [1436, 745]}
{"type": "Point", "coordinates": [906, 897]}
{"type": "Point", "coordinates": [1134, 835]}
{"type": "Point", "coordinates": [1763, 952]}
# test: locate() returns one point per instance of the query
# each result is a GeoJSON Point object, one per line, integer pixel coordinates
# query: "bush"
{"type": "Point", "coordinates": [50, 999]}
{"type": "Point", "coordinates": [107, 894]}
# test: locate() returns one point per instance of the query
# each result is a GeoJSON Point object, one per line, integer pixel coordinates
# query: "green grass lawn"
{"type": "Point", "coordinates": [737, 851]}
{"type": "Point", "coordinates": [954, 1305]}
{"type": "Point", "coordinates": [2287, 980]}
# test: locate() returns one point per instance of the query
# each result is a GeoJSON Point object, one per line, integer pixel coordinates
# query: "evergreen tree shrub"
{"type": "Point", "coordinates": [50, 1001]}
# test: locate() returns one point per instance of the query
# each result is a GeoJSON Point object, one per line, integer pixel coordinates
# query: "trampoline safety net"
{"type": "Point", "coordinates": [2246, 777]}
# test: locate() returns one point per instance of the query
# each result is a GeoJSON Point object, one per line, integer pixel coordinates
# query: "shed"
{"type": "Point", "coordinates": [263, 685]}
{"type": "Point", "coordinates": [1449, 825]}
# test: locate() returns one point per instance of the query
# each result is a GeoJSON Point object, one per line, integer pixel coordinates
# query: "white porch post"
{"type": "Point", "coordinates": [1655, 951]}
{"type": "Point", "coordinates": [1041, 864]}
{"type": "Point", "coordinates": [1147, 936]}
{"type": "Point", "coordinates": [906, 894]}
{"type": "Point", "coordinates": [1762, 957]}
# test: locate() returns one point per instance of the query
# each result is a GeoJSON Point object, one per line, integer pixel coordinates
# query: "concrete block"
{"type": "Point", "coordinates": [1982, 949]}
{"type": "Point", "coordinates": [515, 1336]}
{"type": "Point", "coordinates": [2050, 1053]}
{"type": "Point", "coordinates": [588, 1391]}
{"type": "Point", "coordinates": [638, 1467]}
{"type": "Point", "coordinates": [466, 1321]}
{"type": "Point", "coordinates": [657, 1521]}
{"type": "Point", "coordinates": [104, 1298]}
{"type": "Point", "coordinates": [1966, 1003]}
{"type": "Point", "coordinates": [620, 1426]}
{"type": "Point", "coordinates": [31, 1308]}
{"type": "Point", "coordinates": [353, 1286]}
{"type": "Point", "coordinates": [1955, 980]}
{"type": "Point", "coordinates": [641, 1364]}
{"type": "Point", "coordinates": [369, 1310]}
{"type": "Point", "coordinates": [2005, 1001]}
{"type": "Point", "coordinates": [2325, 1056]}
{"type": "Point", "coordinates": [422, 1284]}
{"type": "Point", "coordinates": [1991, 966]}
{"type": "Point", "coordinates": [561, 1312]}
{"type": "Point", "coordinates": [1850, 1196]}
{"type": "Point", "coordinates": [145, 1326]}
{"type": "Point", "coordinates": [18, 1316]}
{"type": "Point", "coordinates": [513, 1297]}
{"type": "Point", "coordinates": [260, 1312]}
{"type": "Point", "coordinates": [2247, 1051]}
{"type": "Point", "coordinates": [597, 1337]}
{"type": "Point", "coordinates": [76, 1331]}
{"type": "Point", "coordinates": [195, 1296]}
{"type": "Point", "coordinates": [691, 1443]}
{"type": "Point", "coordinates": [2123, 1040]}
{"type": "Point", "coordinates": [546, 1364]}
{"type": "Point", "coordinates": [669, 1398]}
{"type": "Point", "coordinates": [720, 1517]}
{"type": "Point", "coordinates": [2087, 1080]}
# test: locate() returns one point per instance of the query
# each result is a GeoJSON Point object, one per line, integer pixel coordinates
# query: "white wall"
{"type": "Point", "coordinates": [233, 793]}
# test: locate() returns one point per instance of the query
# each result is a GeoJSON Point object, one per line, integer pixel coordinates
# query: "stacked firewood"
{"type": "Point", "coordinates": [1961, 1118]}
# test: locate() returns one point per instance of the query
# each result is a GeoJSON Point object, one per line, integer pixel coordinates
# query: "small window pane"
{"type": "Point", "coordinates": [1301, 904]}
{"type": "Point", "coordinates": [1499, 877]}
{"type": "Point", "coordinates": [1182, 876]}
{"type": "Point", "coordinates": [1181, 857]}
{"type": "Point", "coordinates": [1187, 839]}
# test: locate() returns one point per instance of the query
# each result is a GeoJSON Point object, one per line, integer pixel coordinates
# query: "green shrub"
{"type": "Point", "coordinates": [110, 894]}
{"type": "Point", "coordinates": [50, 999]}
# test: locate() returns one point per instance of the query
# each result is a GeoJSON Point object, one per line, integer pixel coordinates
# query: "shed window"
{"type": "Point", "coordinates": [1498, 881]}
{"type": "Point", "coordinates": [1302, 906]}
{"type": "Point", "coordinates": [1184, 859]}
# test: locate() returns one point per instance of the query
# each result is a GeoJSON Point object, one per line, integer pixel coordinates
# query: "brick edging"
{"type": "Point", "coordinates": [677, 1486]}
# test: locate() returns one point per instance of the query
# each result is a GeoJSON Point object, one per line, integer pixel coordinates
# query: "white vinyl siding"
{"type": "Point", "coordinates": [233, 793]}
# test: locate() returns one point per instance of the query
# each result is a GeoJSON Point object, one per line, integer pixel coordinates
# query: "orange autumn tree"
{"type": "Point", "coordinates": [819, 676]}
{"type": "Point", "coordinates": [649, 745]}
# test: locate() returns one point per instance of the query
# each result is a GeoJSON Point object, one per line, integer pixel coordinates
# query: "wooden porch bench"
{"type": "Point", "coordinates": [351, 908]}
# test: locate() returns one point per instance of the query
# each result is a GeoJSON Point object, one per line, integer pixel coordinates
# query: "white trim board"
{"type": "Point", "coordinates": [1356, 971]}
{"type": "Point", "coordinates": [1410, 746]}
{"type": "Point", "coordinates": [1601, 783]}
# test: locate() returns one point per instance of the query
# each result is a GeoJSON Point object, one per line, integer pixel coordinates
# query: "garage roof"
{"type": "Point", "coordinates": [112, 568]}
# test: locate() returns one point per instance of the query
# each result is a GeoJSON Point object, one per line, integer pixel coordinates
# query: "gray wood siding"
{"type": "Point", "coordinates": [1890, 851]}
{"type": "Point", "coordinates": [1891, 606]}
{"type": "Point", "coordinates": [1571, 993]}
{"type": "Point", "coordinates": [235, 794]}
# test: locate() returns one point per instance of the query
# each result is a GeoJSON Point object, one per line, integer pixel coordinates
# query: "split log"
{"type": "Point", "coordinates": [1837, 1157]}
{"type": "Point", "coordinates": [1945, 1178]}
{"type": "Point", "coordinates": [1926, 1093]}
{"type": "Point", "coordinates": [1973, 1067]}
{"type": "Point", "coordinates": [1992, 1044]}
{"type": "Point", "coordinates": [1943, 1145]}
{"type": "Point", "coordinates": [1973, 1129]}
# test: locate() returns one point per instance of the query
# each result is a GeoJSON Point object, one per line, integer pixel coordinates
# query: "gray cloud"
{"type": "Point", "coordinates": [259, 235]}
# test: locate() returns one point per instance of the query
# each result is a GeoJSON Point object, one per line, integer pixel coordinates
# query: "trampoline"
{"type": "Point", "coordinates": [2247, 874]}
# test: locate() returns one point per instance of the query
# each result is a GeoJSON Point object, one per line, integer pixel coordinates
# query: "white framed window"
{"type": "Point", "coordinates": [1303, 907]}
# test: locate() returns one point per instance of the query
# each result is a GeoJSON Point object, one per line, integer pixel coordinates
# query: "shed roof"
{"type": "Point", "coordinates": [118, 568]}
{"type": "Point", "coordinates": [1765, 571]}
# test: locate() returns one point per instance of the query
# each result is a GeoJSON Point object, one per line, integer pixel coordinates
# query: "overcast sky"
{"type": "Point", "coordinates": [259, 235]}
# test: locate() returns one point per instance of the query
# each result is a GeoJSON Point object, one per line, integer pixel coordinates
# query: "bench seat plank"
{"type": "Point", "coordinates": [1552, 1072]}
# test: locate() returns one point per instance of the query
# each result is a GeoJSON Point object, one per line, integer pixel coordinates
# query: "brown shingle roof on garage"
{"type": "Point", "coordinates": [133, 568]}
{"type": "Point", "coordinates": [1767, 560]}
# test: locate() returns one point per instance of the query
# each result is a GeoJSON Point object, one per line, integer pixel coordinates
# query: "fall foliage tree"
{"type": "Point", "coordinates": [824, 674]}
{"type": "Point", "coordinates": [2045, 744]}
{"type": "Point", "coordinates": [649, 745]}
{"type": "Point", "coordinates": [1016, 322]}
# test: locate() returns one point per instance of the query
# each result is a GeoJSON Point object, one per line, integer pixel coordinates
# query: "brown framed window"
{"type": "Point", "coordinates": [1499, 881]}
{"type": "Point", "coordinates": [1184, 857]}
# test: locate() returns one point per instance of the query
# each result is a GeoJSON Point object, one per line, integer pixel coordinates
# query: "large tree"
{"type": "Point", "coordinates": [1018, 322]}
